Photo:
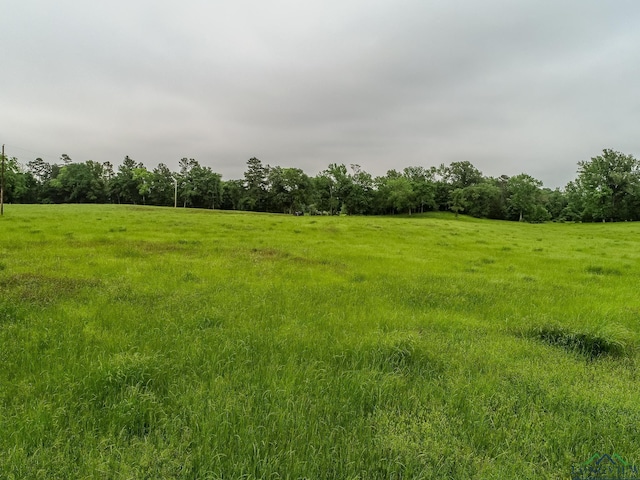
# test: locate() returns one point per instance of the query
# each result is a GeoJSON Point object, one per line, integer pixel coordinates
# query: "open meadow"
{"type": "Point", "coordinates": [143, 342]}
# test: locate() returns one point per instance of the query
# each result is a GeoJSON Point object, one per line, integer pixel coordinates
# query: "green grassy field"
{"type": "Point", "coordinates": [140, 342]}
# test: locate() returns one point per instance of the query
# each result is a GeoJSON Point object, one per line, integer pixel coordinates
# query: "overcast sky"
{"type": "Point", "coordinates": [511, 86]}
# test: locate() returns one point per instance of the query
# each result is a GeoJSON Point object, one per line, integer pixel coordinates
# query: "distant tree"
{"type": "Point", "coordinates": [461, 174]}
{"type": "Point", "coordinates": [555, 202]}
{"type": "Point", "coordinates": [208, 187]}
{"type": "Point", "coordinates": [187, 188]}
{"type": "Point", "coordinates": [198, 186]}
{"type": "Point", "coordinates": [143, 179]}
{"type": "Point", "coordinates": [458, 175]}
{"type": "Point", "coordinates": [107, 168]}
{"type": "Point", "coordinates": [339, 184]}
{"type": "Point", "coordinates": [321, 193]}
{"type": "Point", "coordinates": [256, 184]}
{"type": "Point", "coordinates": [608, 185]}
{"type": "Point", "coordinates": [125, 186]}
{"type": "Point", "coordinates": [162, 188]}
{"type": "Point", "coordinates": [81, 183]}
{"type": "Point", "coordinates": [524, 194]}
{"type": "Point", "coordinates": [360, 195]}
{"type": "Point", "coordinates": [423, 187]}
{"type": "Point", "coordinates": [442, 194]}
{"type": "Point", "coordinates": [483, 200]}
{"type": "Point", "coordinates": [42, 173]}
{"type": "Point", "coordinates": [458, 201]}
{"type": "Point", "coordinates": [17, 182]}
{"type": "Point", "coordinates": [384, 201]}
{"type": "Point", "coordinates": [233, 194]}
{"type": "Point", "coordinates": [288, 189]}
{"type": "Point", "coordinates": [574, 209]}
{"type": "Point", "coordinates": [40, 169]}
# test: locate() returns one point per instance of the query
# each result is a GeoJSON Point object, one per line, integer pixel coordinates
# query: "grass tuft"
{"type": "Point", "coordinates": [608, 340]}
{"type": "Point", "coordinates": [8, 313]}
{"type": "Point", "coordinates": [125, 395]}
{"type": "Point", "coordinates": [600, 270]}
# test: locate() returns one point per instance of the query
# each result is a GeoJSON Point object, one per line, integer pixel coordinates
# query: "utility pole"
{"type": "Point", "coordinates": [175, 192]}
{"type": "Point", "coordinates": [2, 184]}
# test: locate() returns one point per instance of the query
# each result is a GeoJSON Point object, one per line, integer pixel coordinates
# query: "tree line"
{"type": "Point", "coordinates": [607, 188]}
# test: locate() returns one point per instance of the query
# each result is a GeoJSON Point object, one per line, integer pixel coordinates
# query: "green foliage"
{"type": "Point", "coordinates": [483, 201]}
{"type": "Point", "coordinates": [607, 189]}
{"type": "Point", "coordinates": [609, 185]}
{"type": "Point", "coordinates": [125, 186]}
{"type": "Point", "coordinates": [162, 187]}
{"type": "Point", "coordinates": [256, 184]}
{"type": "Point", "coordinates": [198, 186]}
{"type": "Point", "coordinates": [524, 197]}
{"type": "Point", "coordinates": [461, 174]}
{"type": "Point", "coordinates": [288, 189]}
{"type": "Point", "coordinates": [81, 183]}
{"type": "Point", "coordinates": [401, 195]}
{"type": "Point", "coordinates": [458, 201]}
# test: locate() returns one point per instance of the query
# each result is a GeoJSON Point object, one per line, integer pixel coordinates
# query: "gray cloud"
{"type": "Point", "coordinates": [512, 87]}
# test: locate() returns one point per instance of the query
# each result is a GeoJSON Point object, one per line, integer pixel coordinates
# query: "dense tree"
{"type": "Point", "coordinates": [360, 196]}
{"type": "Point", "coordinates": [608, 184]}
{"type": "Point", "coordinates": [321, 189]}
{"type": "Point", "coordinates": [40, 169]}
{"type": "Point", "coordinates": [458, 175]}
{"type": "Point", "coordinates": [461, 174]}
{"type": "Point", "coordinates": [208, 187]}
{"type": "Point", "coordinates": [42, 174]}
{"type": "Point", "coordinates": [81, 183]}
{"type": "Point", "coordinates": [16, 182]}
{"type": "Point", "coordinates": [574, 209]}
{"type": "Point", "coordinates": [256, 184]}
{"type": "Point", "coordinates": [187, 188]}
{"type": "Point", "coordinates": [143, 179]}
{"type": "Point", "coordinates": [555, 202]}
{"type": "Point", "coordinates": [288, 189]}
{"type": "Point", "coordinates": [395, 193]}
{"type": "Point", "coordinates": [125, 185]}
{"type": "Point", "coordinates": [162, 189]}
{"type": "Point", "coordinates": [402, 197]}
{"type": "Point", "coordinates": [340, 185]}
{"type": "Point", "coordinates": [483, 200]}
{"type": "Point", "coordinates": [524, 195]}
{"type": "Point", "coordinates": [422, 186]}
{"type": "Point", "coordinates": [458, 201]}
{"type": "Point", "coordinates": [198, 186]}
{"type": "Point", "coordinates": [233, 194]}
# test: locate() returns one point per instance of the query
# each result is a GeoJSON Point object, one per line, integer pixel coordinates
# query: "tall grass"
{"type": "Point", "coordinates": [158, 343]}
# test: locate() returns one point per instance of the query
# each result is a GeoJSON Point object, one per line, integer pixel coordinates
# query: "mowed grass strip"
{"type": "Point", "coordinates": [141, 342]}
